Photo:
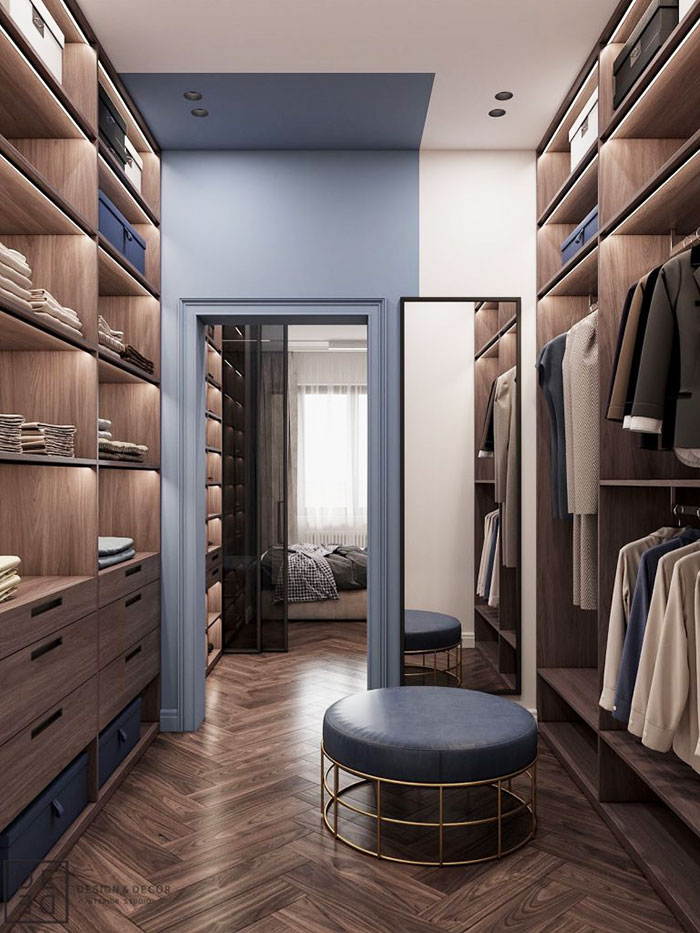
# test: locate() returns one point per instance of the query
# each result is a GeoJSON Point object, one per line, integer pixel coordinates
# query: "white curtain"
{"type": "Point", "coordinates": [331, 467]}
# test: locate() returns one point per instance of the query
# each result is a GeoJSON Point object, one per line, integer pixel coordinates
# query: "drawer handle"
{"type": "Point", "coordinates": [44, 649]}
{"type": "Point", "coordinates": [132, 654]}
{"type": "Point", "coordinates": [57, 808]}
{"type": "Point", "coordinates": [133, 570]}
{"type": "Point", "coordinates": [132, 600]}
{"type": "Point", "coordinates": [45, 607]}
{"type": "Point", "coordinates": [49, 721]}
{"type": "Point", "coordinates": [121, 735]}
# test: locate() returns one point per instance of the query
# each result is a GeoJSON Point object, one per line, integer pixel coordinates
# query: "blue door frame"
{"type": "Point", "coordinates": [183, 509]}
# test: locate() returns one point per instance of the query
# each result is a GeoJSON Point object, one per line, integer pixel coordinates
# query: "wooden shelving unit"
{"type": "Point", "coordinates": [646, 168]}
{"type": "Point", "coordinates": [213, 409]}
{"type": "Point", "coordinates": [495, 627]}
{"type": "Point", "coordinates": [54, 508]}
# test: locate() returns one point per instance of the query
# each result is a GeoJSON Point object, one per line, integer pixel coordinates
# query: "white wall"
{"type": "Point", "coordinates": [477, 238]}
{"type": "Point", "coordinates": [439, 438]}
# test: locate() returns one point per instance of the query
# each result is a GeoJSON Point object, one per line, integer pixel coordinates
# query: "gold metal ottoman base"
{"type": "Point", "coordinates": [431, 671]}
{"type": "Point", "coordinates": [332, 800]}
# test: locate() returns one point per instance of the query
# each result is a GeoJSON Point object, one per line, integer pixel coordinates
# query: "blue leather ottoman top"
{"type": "Point", "coordinates": [430, 631]}
{"type": "Point", "coordinates": [431, 735]}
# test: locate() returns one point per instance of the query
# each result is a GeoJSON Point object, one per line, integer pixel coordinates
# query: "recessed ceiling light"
{"type": "Point", "coordinates": [498, 112]}
{"type": "Point", "coordinates": [199, 112]}
{"type": "Point", "coordinates": [504, 95]}
{"type": "Point", "coordinates": [192, 95]}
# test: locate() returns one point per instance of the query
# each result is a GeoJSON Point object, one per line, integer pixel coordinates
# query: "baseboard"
{"type": "Point", "coordinates": [468, 640]}
{"type": "Point", "coordinates": [170, 720]}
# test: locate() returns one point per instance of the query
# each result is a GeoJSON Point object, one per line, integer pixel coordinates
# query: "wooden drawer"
{"type": "Point", "coordinates": [127, 675]}
{"type": "Point", "coordinates": [33, 679]}
{"type": "Point", "coordinates": [126, 578]}
{"type": "Point", "coordinates": [123, 622]}
{"type": "Point", "coordinates": [46, 608]}
{"type": "Point", "coordinates": [214, 573]}
{"type": "Point", "coordinates": [34, 757]}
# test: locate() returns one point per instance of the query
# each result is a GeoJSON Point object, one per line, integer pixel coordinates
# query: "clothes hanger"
{"type": "Point", "coordinates": [692, 242]}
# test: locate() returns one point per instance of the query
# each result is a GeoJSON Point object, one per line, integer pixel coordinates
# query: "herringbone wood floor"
{"type": "Point", "coordinates": [220, 831]}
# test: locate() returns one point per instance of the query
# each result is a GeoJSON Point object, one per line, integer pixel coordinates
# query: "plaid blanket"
{"type": "Point", "coordinates": [309, 575]}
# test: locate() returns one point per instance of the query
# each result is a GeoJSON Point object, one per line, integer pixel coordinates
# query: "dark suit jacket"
{"type": "Point", "coordinates": [668, 382]}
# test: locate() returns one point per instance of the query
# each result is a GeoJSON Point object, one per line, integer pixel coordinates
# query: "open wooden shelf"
{"type": "Point", "coordinates": [488, 613]}
{"type": "Point", "coordinates": [44, 460]}
{"type": "Point", "coordinates": [132, 281]}
{"type": "Point", "coordinates": [33, 103]}
{"type": "Point", "coordinates": [126, 465]}
{"type": "Point", "coordinates": [666, 852]}
{"type": "Point", "coordinates": [22, 330]}
{"type": "Point", "coordinates": [113, 369]}
{"type": "Point", "coordinates": [26, 209]}
{"type": "Point", "coordinates": [559, 139]}
{"type": "Point", "coordinates": [578, 195]}
{"type": "Point", "coordinates": [120, 189]}
{"type": "Point", "coordinates": [671, 779]}
{"type": "Point", "coordinates": [654, 109]}
{"type": "Point", "coordinates": [579, 276]}
{"type": "Point", "coordinates": [570, 744]}
{"type": "Point", "coordinates": [578, 686]}
{"type": "Point", "coordinates": [510, 637]}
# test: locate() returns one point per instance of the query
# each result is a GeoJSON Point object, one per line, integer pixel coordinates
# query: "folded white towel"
{"type": "Point", "coordinates": [15, 259]}
{"type": "Point", "coordinates": [17, 277]}
{"type": "Point", "coordinates": [113, 343]}
{"type": "Point", "coordinates": [15, 289]}
{"type": "Point", "coordinates": [13, 298]}
{"type": "Point", "coordinates": [59, 314]}
{"type": "Point", "coordinates": [9, 562]}
{"type": "Point", "coordinates": [104, 424]}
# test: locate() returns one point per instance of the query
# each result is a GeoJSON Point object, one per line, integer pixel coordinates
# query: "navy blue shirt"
{"type": "Point", "coordinates": [636, 626]}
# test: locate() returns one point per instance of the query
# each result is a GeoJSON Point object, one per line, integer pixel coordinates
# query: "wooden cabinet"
{"type": "Point", "coordinates": [127, 675]}
{"type": "Point", "coordinates": [41, 674]}
{"type": "Point", "coordinates": [128, 577]}
{"type": "Point", "coordinates": [125, 621]}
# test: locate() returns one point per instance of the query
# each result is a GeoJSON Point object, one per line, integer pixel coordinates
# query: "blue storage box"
{"type": "Point", "coordinates": [580, 236]}
{"type": "Point", "coordinates": [25, 842]}
{"type": "Point", "coordinates": [114, 225]}
{"type": "Point", "coordinates": [118, 738]}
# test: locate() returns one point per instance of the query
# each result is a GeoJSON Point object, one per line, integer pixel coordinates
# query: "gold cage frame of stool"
{"type": "Point", "coordinates": [335, 800]}
{"type": "Point", "coordinates": [453, 672]}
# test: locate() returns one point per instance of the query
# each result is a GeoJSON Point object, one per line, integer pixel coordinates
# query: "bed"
{"type": "Point", "coordinates": [348, 566]}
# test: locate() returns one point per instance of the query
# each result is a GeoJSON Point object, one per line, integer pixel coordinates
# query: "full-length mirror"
{"type": "Point", "coordinates": [462, 501]}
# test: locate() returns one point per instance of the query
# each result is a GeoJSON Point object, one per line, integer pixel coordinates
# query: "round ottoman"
{"type": "Point", "coordinates": [433, 636]}
{"type": "Point", "coordinates": [432, 750]}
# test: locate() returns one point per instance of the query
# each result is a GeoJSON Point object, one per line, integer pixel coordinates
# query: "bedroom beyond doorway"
{"type": "Point", "coordinates": [287, 481]}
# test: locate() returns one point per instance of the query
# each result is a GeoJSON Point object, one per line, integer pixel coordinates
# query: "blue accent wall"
{"type": "Point", "coordinates": [285, 225]}
{"type": "Point", "coordinates": [285, 111]}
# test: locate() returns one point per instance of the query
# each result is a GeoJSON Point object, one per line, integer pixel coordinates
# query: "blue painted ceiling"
{"type": "Point", "coordinates": [285, 111]}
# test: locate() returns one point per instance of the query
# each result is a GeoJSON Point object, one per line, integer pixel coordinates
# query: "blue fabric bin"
{"type": "Point", "coordinates": [580, 236]}
{"type": "Point", "coordinates": [113, 225]}
{"type": "Point", "coordinates": [25, 842]}
{"type": "Point", "coordinates": [118, 738]}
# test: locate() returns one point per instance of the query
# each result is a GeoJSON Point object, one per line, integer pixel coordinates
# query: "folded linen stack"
{"type": "Point", "coordinates": [11, 433]}
{"type": "Point", "coordinates": [15, 277]}
{"type": "Point", "coordinates": [132, 355]}
{"type": "Point", "coordinates": [54, 440]}
{"type": "Point", "coordinates": [9, 577]}
{"type": "Point", "coordinates": [112, 551]}
{"type": "Point", "coordinates": [112, 339]}
{"type": "Point", "coordinates": [45, 306]}
{"type": "Point", "coordinates": [121, 450]}
{"type": "Point", "coordinates": [104, 428]}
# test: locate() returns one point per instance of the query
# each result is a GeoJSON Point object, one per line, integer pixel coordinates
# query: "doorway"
{"type": "Point", "coordinates": [287, 482]}
{"type": "Point", "coordinates": [184, 537]}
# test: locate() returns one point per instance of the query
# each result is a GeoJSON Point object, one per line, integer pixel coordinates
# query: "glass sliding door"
{"type": "Point", "coordinates": [255, 465]}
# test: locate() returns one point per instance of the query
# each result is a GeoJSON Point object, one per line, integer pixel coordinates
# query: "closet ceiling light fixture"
{"type": "Point", "coordinates": [199, 112]}
{"type": "Point", "coordinates": [192, 95]}
{"type": "Point", "coordinates": [498, 112]}
{"type": "Point", "coordinates": [504, 95]}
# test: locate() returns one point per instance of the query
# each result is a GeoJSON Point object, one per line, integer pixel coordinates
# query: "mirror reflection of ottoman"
{"type": "Point", "coordinates": [433, 637]}
{"type": "Point", "coordinates": [429, 775]}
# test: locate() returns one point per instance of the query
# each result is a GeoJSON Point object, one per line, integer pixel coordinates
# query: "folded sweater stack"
{"type": "Point", "coordinates": [121, 450]}
{"type": "Point", "coordinates": [54, 440]}
{"type": "Point", "coordinates": [112, 551]}
{"type": "Point", "coordinates": [112, 339]}
{"type": "Point", "coordinates": [104, 428]}
{"type": "Point", "coordinates": [9, 577]}
{"type": "Point", "coordinates": [45, 306]}
{"type": "Point", "coordinates": [11, 433]}
{"type": "Point", "coordinates": [15, 277]}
